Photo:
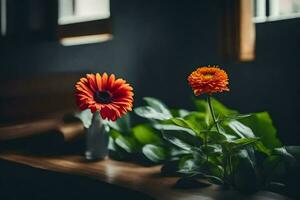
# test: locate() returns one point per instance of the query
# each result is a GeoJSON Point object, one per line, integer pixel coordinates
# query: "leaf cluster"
{"type": "Point", "coordinates": [237, 150]}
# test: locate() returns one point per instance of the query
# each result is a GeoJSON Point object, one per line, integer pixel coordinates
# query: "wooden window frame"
{"type": "Point", "coordinates": [239, 30]}
{"type": "Point", "coordinates": [87, 29]}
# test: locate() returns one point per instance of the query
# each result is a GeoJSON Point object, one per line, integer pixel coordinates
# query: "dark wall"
{"type": "Point", "coordinates": [271, 82]}
{"type": "Point", "coordinates": [158, 43]}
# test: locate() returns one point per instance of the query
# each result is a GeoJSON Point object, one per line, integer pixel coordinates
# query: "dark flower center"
{"type": "Point", "coordinates": [104, 97]}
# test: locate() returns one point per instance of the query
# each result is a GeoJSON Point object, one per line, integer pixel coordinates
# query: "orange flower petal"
{"type": "Point", "coordinates": [112, 97]}
{"type": "Point", "coordinates": [99, 81]}
{"type": "Point", "coordinates": [92, 81]}
{"type": "Point", "coordinates": [111, 81]}
{"type": "Point", "coordinates": [208, 80]}
{"type": "Point", "coordinates": [104, 81]}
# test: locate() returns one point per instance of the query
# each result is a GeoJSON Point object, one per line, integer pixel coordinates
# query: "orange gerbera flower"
{"type": "Point", "coordinates": [208, 80]}
{"type": "Point", "coordinates": [112, 97]}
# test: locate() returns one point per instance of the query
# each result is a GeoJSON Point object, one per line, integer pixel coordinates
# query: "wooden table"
{"type": "Point", "coordinates": [146, 180]}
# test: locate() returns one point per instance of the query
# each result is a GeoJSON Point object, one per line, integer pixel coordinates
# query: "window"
{"type": "Point", "coordinates": [238, 41]}
{"type": "Point", "coordinates": [84, 21]}
{"type": "Point", "coordinates": [3, 17]}
{"type": "Point", "coordinates": [271, 10]}
{"type": "Point", "coordinates": [73, 11]}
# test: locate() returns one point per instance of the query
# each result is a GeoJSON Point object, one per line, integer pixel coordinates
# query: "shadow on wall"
{"type": "Point", "coordinates": [37, 96]}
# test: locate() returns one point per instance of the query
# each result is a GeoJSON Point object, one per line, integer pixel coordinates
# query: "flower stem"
{"type": "Point", "coordinates": [205, 146]}
{"type": "Point", "coordinates": [213, 113]}
{"type": "Point", "coordinates": [225, 161]}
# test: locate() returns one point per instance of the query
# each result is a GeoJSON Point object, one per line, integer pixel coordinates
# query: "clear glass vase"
{"type": "Point", "coordinates": [97, 138]}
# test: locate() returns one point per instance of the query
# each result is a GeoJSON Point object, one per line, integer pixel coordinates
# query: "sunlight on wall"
{"type": "Point", "coordinates": [88, 39]}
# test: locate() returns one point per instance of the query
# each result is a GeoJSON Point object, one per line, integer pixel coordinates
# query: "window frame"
{"type": "Point", "coordinates": [85, 32]}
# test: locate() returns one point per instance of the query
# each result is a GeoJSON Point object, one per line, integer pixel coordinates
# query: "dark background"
{"type": "Point", "coordinates": [156, 45]}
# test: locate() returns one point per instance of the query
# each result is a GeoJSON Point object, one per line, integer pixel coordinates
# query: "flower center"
{"type": "Point", "coordinates": [208, 75]}
{"type": "Point", "coordinates": [104, 97]}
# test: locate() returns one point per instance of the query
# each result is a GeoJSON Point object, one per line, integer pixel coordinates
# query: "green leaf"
{"type": "Point", "coordinates": [158, 106]}
{"type": "Point", "coordinates": [234, 116]}
{"type": "Point", "coordinates": [154, 153]}
{"type": "Point", "coordinates": [177, 142]}
{"type": "Point", "coordinates": [262, 127]}
{"type": "Point", "coordinates": [214, 179]}
{"type": "Point", "coordinates": [187, 164]}
{"type": "Point", "coordinates": [196, 120]}
{"type": "Point", "coordinates": [186, 124]}
{"type": "Point", "coordinates": [115, 151]}
{"type": "Point", "coordinates": [295, 151]}
{"type": "Point", "coordinates": [201, 105]}
{"type": "Point", "coordinates": [282, 152]}
{"type": "Point", "coordinates": [176, 152]}
{"type": "Point", "coordinates": [219, 108]}
{"type": "Point", "coordinates": [193, 121]}
{"type": "Point", "coordinates": [237, 128]}
{"type": "Point", "coordinates": [122, 124]}
{"type": "Point", "coordinates": [245, 176]}
{"type": "Point", "coordinates": [150, 113]}
{"type": "Point", "coordinates": [145, 134]}
{"type": "Point", "coordinates": [244, 141]}
{"type": "Point", "coordinates": [274, 169]}
{"type": "Point", "coordinates": [85, 117]}
{"type": "Point", "coordinates": [181, 139]}
{"type": "Point", "coordinates": [214, 149]}
{"type": "Point", "coordinates": [179, 112]}
{"type": "Point", "coordinates": [240, 129]}
{"type": "Point", "coordinates": [239, 143]}
{"type": "Point", "coordinates": [169, 127]}
{"type": "Point", "coordinates": [215, 137]}
{"type": "Point", "coordinates": [127, 143]}
{"type": "Point", "coordinates": [114, 133]}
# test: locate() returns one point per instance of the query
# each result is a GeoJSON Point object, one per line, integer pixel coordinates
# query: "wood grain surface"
{"type": "Point", "coordinates": [132, 176]}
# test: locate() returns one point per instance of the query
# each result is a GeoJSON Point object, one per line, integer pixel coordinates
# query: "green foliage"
{"type": "Point", "coordinates": [181, 139]}
{"type": "Point", "coordinates": [155, 110]}
{"type": "Point", "coordinates": [219, 108]}
{"type": "Point", "coordinates": [158, 106]}
{"type": "Point", "coordinates": [122, 124]}
{"type": "Point", "coordinates": [244, 174]}
{"type": "Point", "coordinates": [139, 141]}
{"type": "Point", "coordinates": [155, 153]}
{"type": "Point", "coordinates": [239, 143]}
{"type": "Point", "coordinates": [127, 143]}
{"type": "Point", "coordinates": [85, 117]}
{"type": "Point", "coordinates": [150, 113]}
{"type": "Point", "coordinates": [145, 134]}
{"type": "Point", "coordinates": [262, 126]}
{"type": "Point", "coordinates": [223, 149]}
{"type": "Point", "coordinates": [239, 150]}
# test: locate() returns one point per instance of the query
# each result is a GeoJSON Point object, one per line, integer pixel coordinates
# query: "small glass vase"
{"type": "Point", "coordinates": [97, 138]}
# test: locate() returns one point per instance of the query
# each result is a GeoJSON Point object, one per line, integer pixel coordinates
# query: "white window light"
{"type": "Point", "coordinates": [3, 18]}
{"type": "Point", "coordinates": [74, 11]}
{"type": "Point", "coordinates": [273, 10]}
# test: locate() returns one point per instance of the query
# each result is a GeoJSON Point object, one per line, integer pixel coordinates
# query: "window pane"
{"type": "Point", "coordinates": [72, 11]}
{"type": "Point", "coordinates": [276, 10]}
{"type": "Point", "coordinates": [287, 7]}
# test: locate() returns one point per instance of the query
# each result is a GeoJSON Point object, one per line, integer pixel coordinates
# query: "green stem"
{"type": "Point", "coordinates": [205, 146]}
{"type": "Point", "coordinates": [213, 114]}
{"type": "Point", "coordinates": [231, 170]}
{"type": "Point", "coordinates": [225, 162]}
